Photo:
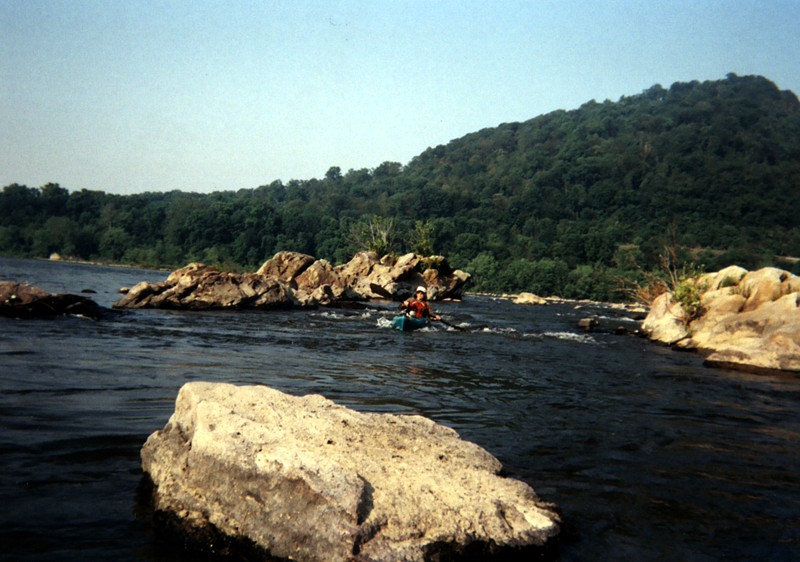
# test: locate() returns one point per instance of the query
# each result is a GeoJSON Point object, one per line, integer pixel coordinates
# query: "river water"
{"type": "Point", "coordinates": [649, 454]}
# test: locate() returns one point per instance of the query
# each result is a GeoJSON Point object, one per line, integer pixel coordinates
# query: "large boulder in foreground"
{"type": "Point", "coordinates": [20, 300]}
{"type": "Point", "coordinates": [291, 279]}
{"type": "Point", "coordinates": [302, 478]}
{"type": "Point", "coordinates": [751, 320]}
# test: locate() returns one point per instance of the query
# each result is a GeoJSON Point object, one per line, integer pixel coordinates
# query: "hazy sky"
{"type": "Point", "coordinates": [131, 96]}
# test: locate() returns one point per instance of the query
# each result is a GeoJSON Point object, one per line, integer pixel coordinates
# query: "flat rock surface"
{"type": "Point", "coordinates": [307, 479]}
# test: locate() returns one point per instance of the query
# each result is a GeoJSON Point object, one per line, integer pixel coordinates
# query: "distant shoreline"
{"type": "Point", "coordinates": [632, 307]}
{"type": "Point", "coordinates": [96, 263]}
{"type": "Point", "coordinates": [629, 306]}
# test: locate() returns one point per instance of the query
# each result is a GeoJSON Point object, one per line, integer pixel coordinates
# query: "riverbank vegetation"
{"type": "Point", "coordinates": [567, 204]}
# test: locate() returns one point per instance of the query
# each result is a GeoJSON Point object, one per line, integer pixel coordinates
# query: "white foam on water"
{"type": "Point", "coordinates": [495, 330]}
{"type": "Point", "coordinates": [570, 336]}
{"type": "Point", "coordinates": [333, 315]}
{"type": "Point", "coordinates": [462, 327]}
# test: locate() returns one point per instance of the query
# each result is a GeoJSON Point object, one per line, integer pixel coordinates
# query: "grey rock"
{"type": "Point", "coordinates": [305, 479]}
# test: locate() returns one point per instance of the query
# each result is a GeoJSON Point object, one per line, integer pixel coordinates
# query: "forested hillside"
{"type": "Point", "coordinates": [565, 203]}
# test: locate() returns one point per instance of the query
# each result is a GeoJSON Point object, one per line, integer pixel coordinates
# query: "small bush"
{"type": "Point", "coordinates": [680, 279]}
{"type": "Point", "coordinates": [689, 294]}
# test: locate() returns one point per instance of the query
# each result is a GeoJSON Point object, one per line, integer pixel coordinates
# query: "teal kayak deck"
{"type": "Point", "coordinates": [406, 323]}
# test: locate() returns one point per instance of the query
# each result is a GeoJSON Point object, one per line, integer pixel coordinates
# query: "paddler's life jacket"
{"type": "Point", "coordinates": [420, 309]}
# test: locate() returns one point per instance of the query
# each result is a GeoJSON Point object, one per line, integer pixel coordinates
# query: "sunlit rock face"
{"type": "Point", "coordinates": [291, 279]}
{"type": "Point", "coordinates": [303, 478]}
{"type": "Point", "coordinates": [751, 320]}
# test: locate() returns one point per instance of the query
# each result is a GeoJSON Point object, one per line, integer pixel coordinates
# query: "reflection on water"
{"type": "Point", "coordinates": [649, 455]}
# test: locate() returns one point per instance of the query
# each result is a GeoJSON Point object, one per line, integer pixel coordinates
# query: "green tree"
{"type": "Point", "coordinates": [114, 242]}
{"type": "Point", "coordinates": [58, 234]}
{"type": "Point", "coordinates": [562, 202]}
{"type": "Point", "coordinates": [376, 234]}
{"type": "Point", "coordinates": [422, 239]}
{"type": "Point", "coordinates": [484, 269]}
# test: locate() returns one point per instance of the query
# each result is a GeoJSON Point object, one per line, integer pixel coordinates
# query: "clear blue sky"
{"type": "Point", "coordinates": [131, 96]}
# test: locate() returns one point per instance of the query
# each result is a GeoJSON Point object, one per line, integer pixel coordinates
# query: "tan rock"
{"type": "Point", "coordinates": [199, 287]}
{"type": "Point", "coordinates": [407, 262]}
{"type": "Point", "coordinates": [359, 267]}
{"type": "Point", "coordinates": [308, 480]}
{"type": "Point", "coordinates": [188, 275]}
{"type": "Point", "coordinates": [285, 266]}
{"type": "Point", "coordinates": [729, 276]}
{"type": "Point", "coordinates": [319, 273]}
{"type": "Point", "coordinates": [140, 295]}
{"type": "Point", "coordinates": [442, 280]}
{"type": "Point", "coordinates": [664, 322]}
{"type": "Point", "coordinates": [766, 285]}
{"type": "Point", "coordinates": [367, 276]}
{"type": "Point", "coordinates": [529, 298]}
{"type": "Point", "coordinates": [753, 323]}
{"type": "Point", "coordinates": [294, 279]}
{"type": "Point", "coordinates": [721, 303]}
{"type": "Point", "coordinates": [766, 338]}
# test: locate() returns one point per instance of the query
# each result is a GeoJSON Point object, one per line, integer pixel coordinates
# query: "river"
{"type": "Point", "coordinates": [649, 454]}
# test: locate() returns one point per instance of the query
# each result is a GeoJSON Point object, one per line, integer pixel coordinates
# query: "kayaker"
{"type": "Point", "coordinates": [418, 307]}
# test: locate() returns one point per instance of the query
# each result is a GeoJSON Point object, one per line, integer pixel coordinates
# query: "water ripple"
{"type": "Point", "coordinates": [650, 455]}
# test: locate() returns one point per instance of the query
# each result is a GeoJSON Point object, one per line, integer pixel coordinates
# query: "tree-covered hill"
{"type": "Point", "coordinates": [565, 203]}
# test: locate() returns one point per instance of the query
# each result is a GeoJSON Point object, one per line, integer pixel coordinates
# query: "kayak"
{"type": "Point", "coordinates": [406, 323]}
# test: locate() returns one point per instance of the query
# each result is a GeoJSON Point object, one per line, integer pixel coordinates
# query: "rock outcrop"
{"type": "Point", "coordinates": [529, 298]}
{"type": "Point", "coordinates": [201, 287]}
{"type": "Point", "coordinates": [302, 478]}
{"type": "Point", "coordinates": [285, 266]}
{"type": "Point", "coordinates": [751, 320]}
{"type": "Point", "coordinates": [291, 279]}
{"type": "Point", "coordinates": [19, 300]}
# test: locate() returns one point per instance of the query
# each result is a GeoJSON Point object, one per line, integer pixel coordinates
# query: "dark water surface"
{"type": "Point", "coordinates": [650, 455]}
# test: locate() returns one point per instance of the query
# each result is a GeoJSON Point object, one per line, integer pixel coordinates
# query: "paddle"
{"type": "Point", "coordinates": [446, 323]}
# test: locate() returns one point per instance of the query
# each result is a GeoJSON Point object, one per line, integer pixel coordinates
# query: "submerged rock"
{"type": "Point", "coordinates": [305, 479]}
{"type": "Point", "coordinates": [19, 300]}
{"type": "Point", "coordinates": [751, 320]}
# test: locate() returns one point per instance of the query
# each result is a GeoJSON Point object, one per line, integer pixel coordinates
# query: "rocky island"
{"type": "Point", "coordinates": [292, 279]}
{"type": "Point", "coordinates": [747, 319]}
